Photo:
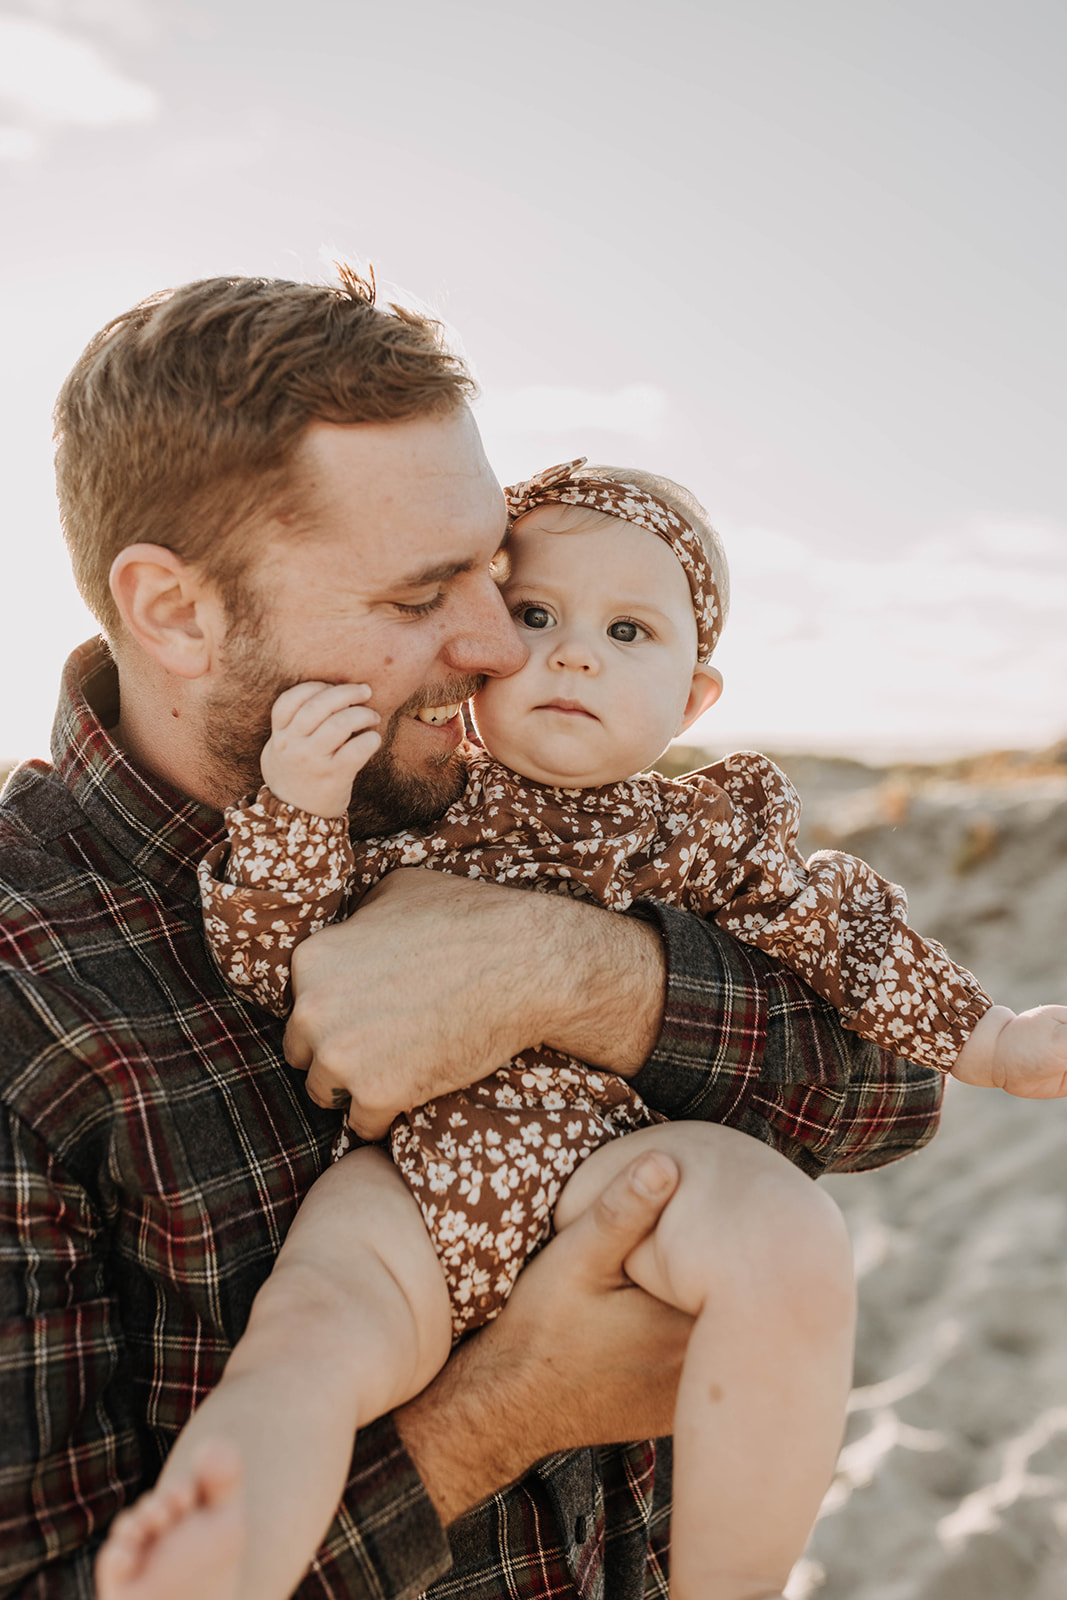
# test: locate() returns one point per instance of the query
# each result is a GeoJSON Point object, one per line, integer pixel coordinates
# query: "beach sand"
{"type": "Point", "coordinates": [952, 1484]}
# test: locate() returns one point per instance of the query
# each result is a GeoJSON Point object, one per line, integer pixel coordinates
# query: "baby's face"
{"type": "Point", "coordinates": [608, 620]}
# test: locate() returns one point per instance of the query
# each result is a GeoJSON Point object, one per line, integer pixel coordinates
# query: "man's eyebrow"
{"type": "Point", "coordinates": [438, 574]}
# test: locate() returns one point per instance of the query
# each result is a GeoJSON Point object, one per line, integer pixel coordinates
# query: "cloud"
{"type": "Point", "coordinates": [18, 144]}
{"type": "Point", "coordinates": [51, 79]}
{"type": "Point", "coordinates": [957, 642]}
{"type": "Point", "coordinates": [636, 410]}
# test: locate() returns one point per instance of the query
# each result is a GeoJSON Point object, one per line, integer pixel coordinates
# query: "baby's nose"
{"type": "Point", "coordinates": [575, 655]}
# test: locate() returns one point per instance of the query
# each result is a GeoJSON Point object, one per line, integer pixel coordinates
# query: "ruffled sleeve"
{"type": "Point", "coordinates": [835, 921]}
{"type": "Point", "coordinates": [281, 877]}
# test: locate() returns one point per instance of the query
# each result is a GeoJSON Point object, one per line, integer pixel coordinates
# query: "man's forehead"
{"type": "Point", "coordinates": [413, 483]}
{"type": "Point", "coordinates": [376, 506]}
{"type": "Point", "coordinates": [378, 457]}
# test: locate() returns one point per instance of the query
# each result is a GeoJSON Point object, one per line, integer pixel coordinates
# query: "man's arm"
{"type": "Point", "coordinates": [745, 1042]}
{"type": "Point", "coordinates": [436, 981]}
{"type": "Point", "coordinates": [70, 1453]}
{"type": "Point", "coordinates": [571, 1352]}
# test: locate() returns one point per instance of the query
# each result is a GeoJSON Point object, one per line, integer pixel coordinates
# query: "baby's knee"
{"type": "Point", "coordinates": [798, 1244]}
{"type": "Point", "coordinates": [746, 1227]}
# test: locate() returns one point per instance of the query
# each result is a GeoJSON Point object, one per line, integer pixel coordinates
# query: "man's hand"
{"type": "Point", "coordinates": [437, 981]}
{"type": "Point", "coordinates": [579, 1356]}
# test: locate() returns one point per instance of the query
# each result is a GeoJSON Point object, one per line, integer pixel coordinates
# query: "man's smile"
{"type": "Point", "coordinates": [437, 715]}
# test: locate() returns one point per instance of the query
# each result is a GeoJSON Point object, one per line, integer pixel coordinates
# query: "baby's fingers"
{"type": "Point", "coordinates": [339, 734]}
{"type": "Point", "coordinates": [301, 709]}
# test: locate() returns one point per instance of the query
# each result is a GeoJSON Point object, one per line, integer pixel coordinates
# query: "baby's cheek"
{"type": "Point", "coordinates": [492, 711]}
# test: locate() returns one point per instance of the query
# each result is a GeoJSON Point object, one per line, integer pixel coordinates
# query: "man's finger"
{"type": "Point", "coordinates": [624, 1214]}
{"type": "Point", "coordinates": [295, 1047]}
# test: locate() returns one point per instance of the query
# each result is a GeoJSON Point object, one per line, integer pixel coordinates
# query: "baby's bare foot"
{"type": "Point", "coordinates": [180, 1540]}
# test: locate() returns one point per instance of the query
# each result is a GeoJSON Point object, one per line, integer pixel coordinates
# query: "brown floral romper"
{"type": "Point", "coordinates": [487, 1164]}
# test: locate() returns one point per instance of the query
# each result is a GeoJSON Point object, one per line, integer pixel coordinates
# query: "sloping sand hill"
{"type": "Point", "coordinates": [953, 1481]}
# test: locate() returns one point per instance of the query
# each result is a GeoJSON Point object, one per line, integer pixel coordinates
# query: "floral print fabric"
{"type": "Point", "coordinates": [487, 1165]}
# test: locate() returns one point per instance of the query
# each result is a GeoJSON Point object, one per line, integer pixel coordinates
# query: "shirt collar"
{"type": "Point", "coordinates": [159, 830]}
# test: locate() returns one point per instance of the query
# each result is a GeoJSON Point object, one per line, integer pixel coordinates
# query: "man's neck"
{"type": "Point", "coordinates": [159, 734]}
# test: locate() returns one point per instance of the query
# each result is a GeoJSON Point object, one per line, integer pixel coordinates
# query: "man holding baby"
{"type": "Point", "coordinates": [157, 1135]}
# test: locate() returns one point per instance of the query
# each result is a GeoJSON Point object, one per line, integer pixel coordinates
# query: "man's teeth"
{"type": "Point", "coordinates": [438, 714]}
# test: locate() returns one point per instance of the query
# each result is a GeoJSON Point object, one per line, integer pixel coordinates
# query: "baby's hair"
{"type": "Point", "coordinates": [687, 505]}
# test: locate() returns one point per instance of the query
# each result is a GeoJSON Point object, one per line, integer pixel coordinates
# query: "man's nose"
{"type": "Point", "coordinates": [486, 640]}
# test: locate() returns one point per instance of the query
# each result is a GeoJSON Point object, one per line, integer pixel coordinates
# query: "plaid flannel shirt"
{"type": "Point", "coordinates": [154, 1147]}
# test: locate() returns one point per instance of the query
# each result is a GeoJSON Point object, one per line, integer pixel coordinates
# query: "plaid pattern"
{"type": "Point", "coordinates": [154, 1147]}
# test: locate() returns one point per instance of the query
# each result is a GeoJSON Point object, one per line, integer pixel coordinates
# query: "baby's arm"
{"type": "Point", "coordinates": [843, 929]}
{"type": "Point", "coordinates": [282, 874]}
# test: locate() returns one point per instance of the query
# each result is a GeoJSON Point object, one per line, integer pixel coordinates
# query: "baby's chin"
{"type": "Point", "coordinates": [570, 777]}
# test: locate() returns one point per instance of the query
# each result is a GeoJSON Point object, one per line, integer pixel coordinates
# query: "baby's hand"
{"type": "Point", "coordinates": [1024, 1055]}
{"type": "Point", "coordinates": [323, 734]}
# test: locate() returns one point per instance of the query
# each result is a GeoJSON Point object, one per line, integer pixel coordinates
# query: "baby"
{"type": "Point", "coordinates": [617, 585]}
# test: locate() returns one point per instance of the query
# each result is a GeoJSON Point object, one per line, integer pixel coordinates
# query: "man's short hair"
{"type": "Point", "coordinates": [180, 422]}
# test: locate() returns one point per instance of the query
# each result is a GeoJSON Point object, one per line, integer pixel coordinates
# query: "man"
{"type": "Point", "coordinates": [263, 483]}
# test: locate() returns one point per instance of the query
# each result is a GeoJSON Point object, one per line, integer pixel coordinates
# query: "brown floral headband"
{"type": "Point", "coordinates": [564, 485]}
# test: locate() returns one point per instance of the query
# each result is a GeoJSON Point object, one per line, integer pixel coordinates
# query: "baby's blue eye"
{"type": "Point", "coordinates": [624, 632]}
{"type": "Point", "coordinates": [535, 617]}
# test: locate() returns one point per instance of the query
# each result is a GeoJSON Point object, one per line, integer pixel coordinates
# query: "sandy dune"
{"type": "Point", "coordinates": [953, 1481]}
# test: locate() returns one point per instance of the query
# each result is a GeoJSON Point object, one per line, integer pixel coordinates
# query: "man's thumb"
{"type": "Point", "coordinates": [627, 1211]}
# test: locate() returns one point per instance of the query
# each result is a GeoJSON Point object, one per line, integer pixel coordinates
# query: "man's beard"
{"type": "Point", "coordinates": [386, 796]}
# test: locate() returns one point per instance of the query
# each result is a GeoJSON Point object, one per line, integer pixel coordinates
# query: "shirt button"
{"type": "Point", "coordinates": [580, 1526]}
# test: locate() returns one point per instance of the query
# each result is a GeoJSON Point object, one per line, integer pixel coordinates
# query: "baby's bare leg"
{"type": "Point", "coordinates": [353, 1320]}
{"type": "Point", "coordinates": [759, 1255]}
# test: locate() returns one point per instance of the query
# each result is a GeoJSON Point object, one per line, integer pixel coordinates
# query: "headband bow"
{"type": "Point", "coordinates": [566, 486]}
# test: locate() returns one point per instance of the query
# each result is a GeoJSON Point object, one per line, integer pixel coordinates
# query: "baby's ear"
{"type": "Point", "coordinates": [704, 690]}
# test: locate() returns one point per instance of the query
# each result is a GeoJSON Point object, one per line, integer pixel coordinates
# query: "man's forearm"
{"type": "Point", "coordinates": [436, 981]}
{"type": "Point", "coordinates": [600, 985]}
{"type": "Point", "coordinates": [456, 1432]}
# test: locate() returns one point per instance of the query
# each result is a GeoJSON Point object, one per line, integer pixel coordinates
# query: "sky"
{"type": "Point", "coordinates": [806, 259]}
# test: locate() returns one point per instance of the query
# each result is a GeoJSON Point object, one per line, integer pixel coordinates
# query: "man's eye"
{"type": "Point", "coordinates": [534, 617]}
{"type": "Point", "coordinates": [421, 610]}
{"type": "Point", "coordinates": [625, 632]}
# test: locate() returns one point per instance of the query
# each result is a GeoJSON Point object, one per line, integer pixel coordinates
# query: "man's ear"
{"type": "Point", "coordinates": [167, 608]}
{"type": "Point", "coordinates": [704, 690]}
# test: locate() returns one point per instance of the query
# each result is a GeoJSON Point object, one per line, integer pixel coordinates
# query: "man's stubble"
{"type": "Point", "coordinates": [386, 796]}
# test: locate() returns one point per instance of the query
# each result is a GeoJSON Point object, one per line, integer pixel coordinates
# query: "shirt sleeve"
{"type": "Point", "coordinates": [280, 877]}
{"type": "Point", "coordinates": [70, 1455]}
{"type": "Point", "coordinates": [744, 1042]}
{"type": "Point", "coordinates": [833, 920]}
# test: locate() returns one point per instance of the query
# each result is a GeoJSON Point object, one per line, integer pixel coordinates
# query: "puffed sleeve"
{"type": "Point", "coordinates": [835, 921]}
{"type": "Point", "coordinates": [281, 877]}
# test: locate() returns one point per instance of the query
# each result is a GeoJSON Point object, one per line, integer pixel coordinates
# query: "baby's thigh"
{"type": "Point", "coordinates": [743, 1220]}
